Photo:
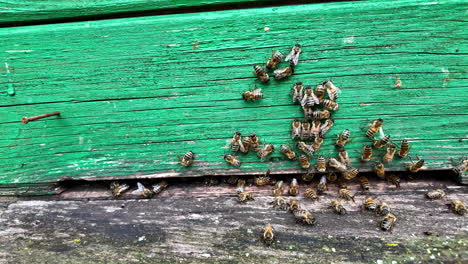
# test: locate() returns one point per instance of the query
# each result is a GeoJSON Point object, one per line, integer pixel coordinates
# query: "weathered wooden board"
{"type": "Point", "coordinates": [192, 223]}
{"type": "Point", "coordinates": [136, 92]}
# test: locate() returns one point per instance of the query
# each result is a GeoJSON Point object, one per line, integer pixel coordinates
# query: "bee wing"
{"type": "Point", "coordinates": [240, 189]}
{"type": "Point", "coordinates": [304, 100]}
{"type": "Point", "coordinates": [315, 98]}
{"type": "Point", "coordinates": [290, 55]}
{"type": "Point", "coordinates": [241, 145]}
{"type": "Point", "coordinates": [331, 95]}
{"type": "Point", "coordinates": [279, 71]}
{"type": "Point", "coordinates": [381, 132]}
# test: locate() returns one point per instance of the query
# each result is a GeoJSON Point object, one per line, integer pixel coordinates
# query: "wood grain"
{"type": "Point", "coordinates": [134, 93]}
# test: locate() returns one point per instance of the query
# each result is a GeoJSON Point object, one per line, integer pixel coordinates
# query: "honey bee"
{"type": "Point", "coordinates": [319, 91]}
{"type": "Point", "coordinates": [236, 143]}
{"type": "Point", "coordinates": [293, 56]}
{"type": "Point", "coordinates": [458, 207]}
{"type": "Point", "coordinates": [327, 125]}
{"type": "Point", "coordinates": [294, 188]}
{"type": "Point", "coordinates": [398, 82]}
{"type": "Point", "coordinates": [308, 112]}
{"type": "Point", "coordinates": [311, 194]}
{"type": "Point", "coordinates": [322, 185]}
{"type": "Point", "coordinates": [211, 181]}
{"type": "Point", "coordinates": [280, 203]}
{"type": "Point", "coordinates": [285, 72]}
{"type": "Point", "coordinates": [304, 161]}
{"type": "Point", "coordinates": [334, 163]}
{"type": "Point", "coordinates": [232, 180]}
{"type": "Point", "coordinates": [349, 174]}
{"type": "Point", "coordinates": [244, 196]}
{"type": "Point", "coordinates": [343, 138]}
{"type": "Point", "coordinates": [142, 191]}
{"type": "Point", "coordinates": [364, 182]}
{"type": "Point", "coordinates": [308, 176]}
{"type": "Point", "coordinates": [383, 209]}
{"type": "Point", "coordinates": [309, 99]}
{"type": "Point", "coordinates": [307, 149]}
{"type": "Point", "coordinates": [319, 115]}
{"type": "Point", "coordinates": [247, 142]}
{"type": "Point", "coordinates": [332, 177]}
{"type": "Point", "coordinates": [341, 183]}
{"type": "Point", "coordinates": [388, 222]}
{"type": "Point", "coordinates": [379, 170]}
{"type": "Point", "coordinates": [118, 189]}
{"type": "Point", "coordinates": [298, 93]}
{"type": "Point", "coordinates": [367, 153]}
{"type": "Point", "coordinates": [415, 167]}
{"type": "Point", "coordinates": [268, 236]}
{"type": "Point", "coordinates": [288, 152]}
{"type": "Point", "coordinates": [461, 168]}
{"type": "Point", "coordinates": [261, 74]}
{"type": "Point", "coordinates": [330, 105]}
{"type": "Point", "coordinates": [305, 130]}
{"type": "Point", "coordinates": [304, 217]}
{"type": "Point", "coordinates": [187, 159]}
{"type": "Point", "coordinates": [388, 157]}
{"type": "Point", "coordinates": [232, 160]}
{"type": "Point", "coordinates": [394, 180]}
{"type": "Point", "coordinates": [380, 143]}
{"type": "Point", "coordinates": [264, 180]}
{"type": "Point", "coordinates": [344, 157]}
{"type": "Point", "coordinates": [275, 59]}
{"type": "Point", "coordinates": [374, 127]}
{"type": "Point", "coordinates": [254, 142]}
{"type": "Point", "coordinates": [337, 206]}
{"type": "Point", "coordinates": [294, 205]}
{"type": "Point", "coordinates": [370, 204]}
{"type": "Point", "coordinates": [241, 183]}
{"type": "Point", "coordinates": [278, 190]}
{"type": "Point", "coordinates": [321, 164]}
{"type": "Point", "coordinates": [435, 194]}
{"type": "Point", "coordinates": [317, 142]}
{"type": "Point", "coordinates": [404, 149]}
{"type": "Point", "coordinates": [332, 90]}
{"type": "Point", "coordinates": [346, 194]}
{"type": "Point", "coordinates": [159, 187]}
{"type": "Point", "coordinates": [252, 95]}
{"type": "Point", "coordinates": [315, 130]}
{"type": "Point", "coordinates": [296, 129]}
{"type": "Point", "coordinates": [267, 150]}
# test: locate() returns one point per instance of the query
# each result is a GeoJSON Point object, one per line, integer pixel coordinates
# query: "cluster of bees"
{"type": "Point", "coordinates": [141, 190]}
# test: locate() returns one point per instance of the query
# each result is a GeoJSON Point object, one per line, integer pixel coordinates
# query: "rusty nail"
{"type": "Point", "coordinates": [25, 120]}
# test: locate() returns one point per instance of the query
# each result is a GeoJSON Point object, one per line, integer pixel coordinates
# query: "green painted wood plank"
{"type": "Point", "coordinates": [136, 92]}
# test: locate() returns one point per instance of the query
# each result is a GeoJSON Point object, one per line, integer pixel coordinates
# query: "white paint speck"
{"type": "Point", "coordinates": [141, 238]}
{"type": "Point", "coordinates": [80, 140]}
{"type": "Point", "coordinates": [348, 40]}
{"type": "Point", "coordinates": [266, 29]}
{"type": "Point", "coordinates": [18, 51]}
{"type": "Point", "coordinates": [430, 3]}
{"type": "Point", "coordinates": [379, 261]}
{"type": "Point", "coordinates": [42, 145]}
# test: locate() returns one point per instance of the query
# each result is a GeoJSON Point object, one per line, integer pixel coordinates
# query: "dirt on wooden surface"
{"type": "Point", "coordinates": [192, 222]}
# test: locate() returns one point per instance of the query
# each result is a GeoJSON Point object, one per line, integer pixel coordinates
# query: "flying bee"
{"type": "Point", "coordinates": [322, 185]}
{"type": "Point", "coordinates": [461, 168]}
{"type": "Point", "coordinates": [364, 182]}
{"type": "Point", "coordinates": [298, 93]}
{"type": "Point", "coordinates": [388, 222]}
{"type": "Point", "coordinates": [187, 159]}
{"type": "Point", "coordinates": [252, 95]}
{"type": "Point", "coordinates": [331, 176]}
{"type": "Point", "coordinates": [366, 153]}
{"type": "Point", "coordinates": [234, 161]}
{"type": "Point", "coordinates": [435, 194]}
{"type": "Point", "coordinates": [142, 191]}
{"type": "Point", "coordinates": [321, 164]}
{"type": "Point", "coordinates": [304, 161]}
{"type": "Point", "coordinates": [311, 194]}
{"type": "Point", "coordinates": [394, 180]}
{"type": "Point", "coordinates": [344, 157]}
{"type": "Point", "coordinates": [330, 105]}
{"type": "Point", "coordinates": [317, 142]}
{"type": "Point", "coordinates": [415, 167]}
{"type": "Point", "coordinates": [293, 187]}
{"type": "Point", "coordinates": [280, 203]}
{"type": "Point", "coordinates": [296, 129]}
{"type": "Point", "coordinates": [261, 74]}
{"type": "Point", "coordinates": [288, 152]}
{"type": "Point", "coordinates": [334, 163]}
{"type": "Point", "coordinates": [379, 170]}
{"type": "Point", "coordinates": [268, 236]}
{"type": "Point", "coordinates": [118, 189]}
{"type": "Point", "coordinates": [307, 149]}
{"type": "Point", "coordinates": [375, 126]}
{"type": "Point", "coordinates": [243, 196]}
{"type": "Point", "coordinates": [264, 180]}
{"type": "Point", "coordinates": [285, 72]}
{"type": "Point", "coordinates": [305, 130]}
{"type": "Point", "coordinates": [308, 176]}
{"type": "Point", "coordinates": [267, 150]}
{"type": "Point", "coordinates": [254, 142]}
{"type": "Point", "coordinates": [304, 217]}
{"type": "Point", "coordinates": [294, 205]}
{"type": "Point", "coordinates": [349, 174]}
{"type": "Point", "coordinates": [341, 183]}
{"type": "Point", "coordinates": [391, 150]}
{"type": "Point", "coordinates": [278, 190]}
{"type": "Point", "coordinates": [370, 204]}
{"type": "Point", "coordinates": [327, 125]}
{"type": "Point", "coordinates": [319, 115]}
{"type": "Point", "coordinates": [274, 60]}
{"type": "Point", "coordinates": [382, 209]}
{"type": "Point", "coordinates": [380, 143]}
{"type": "Point", "coordinates": [346, 194]}
{"type": "Point", "coordinates": [332, 90]}
{"type": "Point", "coordinates": [293, 56]}
{"type": "Point", "coordinates": [159, 187]}
{"type": "Point", "coordinates": [458, 207]}
{"type": "Point", "coordinates": [236, 143]}
{"type": "Point", "coordinates": [337, 206]}
{"type": "Point", "coordinates": [343, 138]}
{"type": "Point", "coordinates": [404, 149]}
{"type": "Point", "coordinates": [315, 131]}
{"type": "Point", "coordinates": [319, 92]}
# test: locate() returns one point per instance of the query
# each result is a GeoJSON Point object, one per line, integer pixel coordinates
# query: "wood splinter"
{"type": "Point", "coordinates": [25, 120]}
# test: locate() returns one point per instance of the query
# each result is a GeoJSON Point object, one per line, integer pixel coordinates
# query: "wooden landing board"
{"type": "Point", "coordinates": [136, 92]}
